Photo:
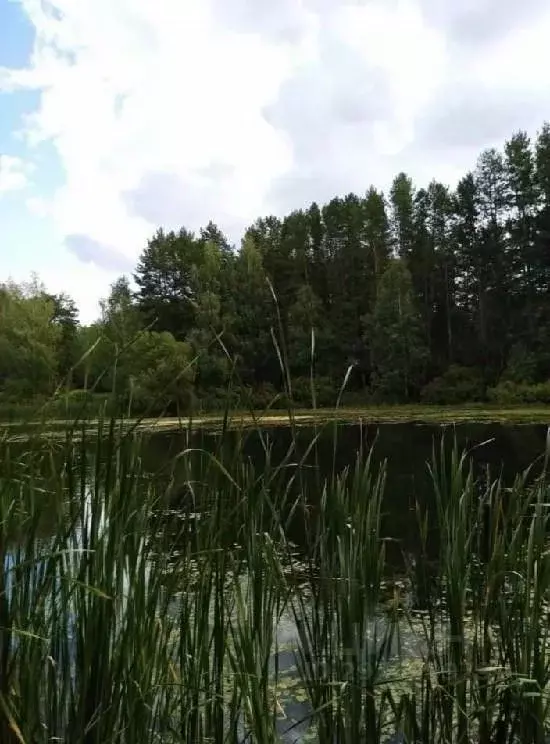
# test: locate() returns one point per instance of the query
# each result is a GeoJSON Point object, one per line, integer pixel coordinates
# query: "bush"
{"type": "Point", "coordinates": [512, 393]}
{"type": "Point", "coordinates": [521, 367]}
{"type": "Point", "coordinates": [457, 385]}
{"type": "Point", "coordinates": [326, 392]}
{"type": "Point", "coordinates": [17, 410]}
{"type": "Point", "coordinates": [267, 396]}
{"type": "Point", "coordinates": [244, 398]}
{"type": "Point", "coordinates": [76, 404]}
{"type": "Point", "coordinates": [72, 405]}
{"type": "Point", "coordinates": [357, 399]}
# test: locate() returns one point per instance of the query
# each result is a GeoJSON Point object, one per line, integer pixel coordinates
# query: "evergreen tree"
{"type": "Point", "coordinates": [394, 335]}
{"type": "Point", "coordinates": [164, 278]}
{"type": "Point", "coordinates": [469, 268]}
{"type": "Point", "coordinates": [65, 315]}
{"type": "Point", "coordinates": [255, 317]}
{"type": "Point", "coordinates": [442, 269]}
{"type": "Point", "coordinates": [402, 215]}
{"type": "Point", "coordinates": [522, 205]}
{"type": "Point", "coordinates": [497, 274]}
{"type": "Point", "coordinates": [462, 274]}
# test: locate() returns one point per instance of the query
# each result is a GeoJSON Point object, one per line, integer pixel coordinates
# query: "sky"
{"type": "Point", "coordinates": [121, 116]}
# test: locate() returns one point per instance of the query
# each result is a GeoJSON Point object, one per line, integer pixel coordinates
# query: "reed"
{"type": "Point", "coordinates": [129, 616]}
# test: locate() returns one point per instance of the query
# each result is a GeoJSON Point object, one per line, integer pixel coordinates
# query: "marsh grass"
{"type": "Point", "coordinates": [125, 618]}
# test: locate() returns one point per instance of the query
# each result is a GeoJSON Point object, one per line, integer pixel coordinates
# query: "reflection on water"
{"type": "Point", "coordinates": [496, 449]}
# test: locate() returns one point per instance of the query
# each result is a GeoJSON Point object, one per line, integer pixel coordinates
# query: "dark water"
{"type": "Point", "coordinates": [407, 449]}
{"type": "Point", "coordinates": [495, 450]}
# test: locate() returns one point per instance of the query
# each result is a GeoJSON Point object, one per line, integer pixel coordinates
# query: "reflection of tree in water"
{"type": "Point", "coordinates": [495, 450]}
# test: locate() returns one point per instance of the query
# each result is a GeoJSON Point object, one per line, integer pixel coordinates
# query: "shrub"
{"type": "Point", "coordinates": [521, 367]}
{"type": "Point", "coordinates": [326, 391]}
{"type": "Point", "coordinates": [76, 404]}
{"type": "Point", "coordinates": [260, 398]}
{"type": "Point", "coordinates": [16, 410]}
{"type": "Point", "coordinates": [357, 398]}
{"type": "Point", "coordinates": [456, 385]}
{"type": "Point", "coordinates": [512, 393]}
{"type": "Point", "coordinates": [217, 400]}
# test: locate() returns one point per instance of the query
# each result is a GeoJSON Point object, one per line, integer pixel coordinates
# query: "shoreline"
{"type": "Point", "coordinates": [412, 414]}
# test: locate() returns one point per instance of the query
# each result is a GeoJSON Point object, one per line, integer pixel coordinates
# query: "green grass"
{"type": "Point", "coordinates": [119, 623]}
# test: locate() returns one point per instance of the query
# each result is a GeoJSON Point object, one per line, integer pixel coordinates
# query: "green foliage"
{"type": "Point", "coordinates": [522, 365]}
{"type": "Point", "coordinates": [120, 319]}
{"type": "Point", "coordinates": [29, 341]}
{"type": "Point", "coordinates": [456, 385]}
{"type": "Point", "coordinates": [65, 315]}
{"type": "Point", "coordinates": [508, 392]}
{"type": "Point", "coordinates": [255, 315]}
{"type": "Point", "coordinates": [308, 292]}
{"type": "Point", "coordinates": [402, 202]}
{"type": "Point", "coordinates": [325, 392]}
{"type": "Point", "coordinates": [394, 335]}
{"type": "Point", "coordinates": [209, 338]}
{"type": "Point", "coordinates": [165, 278]}
{"type": "Point", "coordinates": [76, 404]}
{"type": "Point", "coordinates": [263, 397]}
{"type": "Point", "coordinates": [161, 373]}
{"type": "Point", "coordinates": [358, 398]}
{"type": "Point", "coordinates": [152, 370]}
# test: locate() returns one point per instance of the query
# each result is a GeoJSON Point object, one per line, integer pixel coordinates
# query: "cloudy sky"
{"type": "Point", "coordinates": [118, 116]}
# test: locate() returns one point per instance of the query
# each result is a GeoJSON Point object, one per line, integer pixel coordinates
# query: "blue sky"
{"type": "Point", "coordinates": [15, 49]}
{"type": "Point", "coordinates": [17, 35]}
{"type": "Point", "coordinates": [121, 116]}
{"type": "Point", "coordinates": [30, 243]}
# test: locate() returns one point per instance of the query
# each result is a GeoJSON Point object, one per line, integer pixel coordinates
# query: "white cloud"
{"type": "Point", "coordinates": [355, 105]}
{"type": "Point", "coordinates": [14, 173]}
{"type": "Point", "coordinates": [85, 282]}
{"type": "Point", "coordinates": [183, 112]}
{"type": "Point", "coordinates": [131, 89]}
{"type": "Point", "coordinates": [178, 112]}
{"type": "Point", "coordinates": [37, 206]}
{"type": "Point", "coordinates": [471, 25]}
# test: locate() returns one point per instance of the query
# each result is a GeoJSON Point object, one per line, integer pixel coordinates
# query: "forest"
{"type": "Point", "coordinates": [426, 293]}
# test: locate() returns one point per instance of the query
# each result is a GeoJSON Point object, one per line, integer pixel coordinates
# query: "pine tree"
{"type": "Point", "coordinates": [394, 335]}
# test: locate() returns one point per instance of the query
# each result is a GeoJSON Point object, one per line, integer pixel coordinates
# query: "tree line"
{"type": "Point", "coordinates": [424, 293]}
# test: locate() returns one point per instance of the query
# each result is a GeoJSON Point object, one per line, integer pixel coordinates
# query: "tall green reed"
{"type": "Point", "coordinates": [125, 617]}
{"type": "Point", "coordinates": [344, 637]}
{"type": "Point", "coordinates": [485, 634]}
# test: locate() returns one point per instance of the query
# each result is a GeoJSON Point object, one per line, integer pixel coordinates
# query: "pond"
{"type": "Point", "coordinates": [495, 450]}
{"type": "Point", "coordinates": [355, 611]}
